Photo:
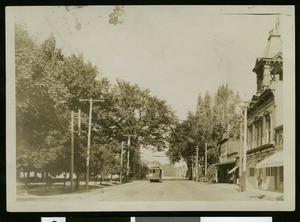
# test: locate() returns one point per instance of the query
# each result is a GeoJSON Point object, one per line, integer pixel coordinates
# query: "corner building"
{"type": "Point", "coordinates": [265, 119]}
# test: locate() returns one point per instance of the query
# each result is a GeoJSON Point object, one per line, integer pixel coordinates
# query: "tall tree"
{"type": "Point", "coordinates": [135, 111]}
{"type": "Point", "coordinates": [214, 119]}
{"type": "Point", "coordinates": [40, 114]}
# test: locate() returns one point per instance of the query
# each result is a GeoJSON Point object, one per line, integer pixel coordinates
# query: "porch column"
{"type": "Point", "coordinates": [263, 130]}
{"type": "Point", "coordinates": [271, 130]}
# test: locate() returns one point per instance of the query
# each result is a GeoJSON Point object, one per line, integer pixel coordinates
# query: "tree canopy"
{"type": "Point", "coordinates": [50, 85]}
{"type": "Point", "coordinates": [215, 118]}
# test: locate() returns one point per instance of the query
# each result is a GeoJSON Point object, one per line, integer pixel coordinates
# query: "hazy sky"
{"type": "Point", "coordinates": [175, 51]}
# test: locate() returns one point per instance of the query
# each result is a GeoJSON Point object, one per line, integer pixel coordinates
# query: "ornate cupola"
{"type": "Point", "coordinates": [268, 68]}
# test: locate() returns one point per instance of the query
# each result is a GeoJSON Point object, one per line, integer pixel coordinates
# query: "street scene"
{"type": "Point", "coordinates": [160, 103]}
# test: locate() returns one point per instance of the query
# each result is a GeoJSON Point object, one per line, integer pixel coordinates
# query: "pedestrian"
{"type": "Point", "coordinates": [232, 178]}
{"type": "Point", "coordinates": [259, 182]}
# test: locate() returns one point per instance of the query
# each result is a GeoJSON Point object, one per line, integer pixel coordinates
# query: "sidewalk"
{"type": "Point", "coordinates": [264, 194]}
{"type": "Point", "coordinates": [255, 193]}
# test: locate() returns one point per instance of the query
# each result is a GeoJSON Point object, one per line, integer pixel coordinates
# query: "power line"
{"type": "Point", "coordinates": [64, 41]}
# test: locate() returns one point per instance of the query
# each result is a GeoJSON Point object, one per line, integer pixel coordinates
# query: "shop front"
{"type": "Point", "coordinates": [272, 176]}
{"type": "Point", "coordinates": [227, 172]}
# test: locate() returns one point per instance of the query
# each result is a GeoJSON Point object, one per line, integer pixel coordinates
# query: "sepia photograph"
{"type": "Point", "coordinates": [150, 108]}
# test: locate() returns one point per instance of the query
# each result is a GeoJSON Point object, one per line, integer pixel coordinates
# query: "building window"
{"type": "Point", "coordinates": [268, 129]}
{"type": "Point", "coordinates": [281, 174]}
{"type": "Point", "coordinates": [251, 172]}
{"type": "Point", "coordinates": [250, 136]}
{"type": "Point", "coordinates": [279, 138]}
{"type": "Point", "coordinates": [259, 133]}
{"type": "Point", "coordinates": [270, 171]}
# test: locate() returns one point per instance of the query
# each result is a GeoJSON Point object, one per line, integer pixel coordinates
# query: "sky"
{"type": "Point", "coordinates": [150, 155]}
{"type": "Point", "coordinates": [175, 51]}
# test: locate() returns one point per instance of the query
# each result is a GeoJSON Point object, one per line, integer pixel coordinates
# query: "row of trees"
{"type": "Point", "coordinates": [50, 85]}
{"type": "Point", "coordinates": [216, 117]}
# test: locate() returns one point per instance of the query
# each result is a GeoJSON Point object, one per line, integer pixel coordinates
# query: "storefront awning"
{"type": "Point", "coordinates": [225, 162]}
{"type": "Point", "coordinates": [233, 169]}
{"type": "Point", "coordinates": [274, 160]}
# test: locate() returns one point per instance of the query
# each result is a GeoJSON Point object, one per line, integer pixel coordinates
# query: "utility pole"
{"type": "Point", "coordinates": [128, 146]}
{"type": "Point", "coordinates": [197, 164]}
{"type": "Point", "coordinates": [245, 148]}
{"type": "Point", "coordinates": [128, 166]}
{"type": "Point", "coordinates": [72, 151]}
{"type": "Point", "coordinates": [89, 139]}
{"type": "Point", "coordinates": [142, 172]}
{"type": "Point", "coordinates": [192, 168]}
{"type": "Point", "coordinates": [72, 145]}
{"type": "Point", "coordinates": [205, 159]}
{"type": "Point", "coordinates": [79, 121]}
{"type": "Point", "coordinates": [121, 174]}
{"type": "Point", "coordinates": [241, 158]}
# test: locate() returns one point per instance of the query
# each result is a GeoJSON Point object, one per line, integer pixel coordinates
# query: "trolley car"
{"type": "Point", "coordinates": [155, 174]}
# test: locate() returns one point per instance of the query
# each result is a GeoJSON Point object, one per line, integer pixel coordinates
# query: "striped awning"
{"type": "Point", "coordinates": [274, 160]}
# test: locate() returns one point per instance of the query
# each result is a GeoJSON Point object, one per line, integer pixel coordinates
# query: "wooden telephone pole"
{"type": "Point", "coordinates": [241, 158]}
{"type": "Point", "coordinates": [243, 150]}
{"type": "Point", "coordinates": [89, 139]}
{"type": "Point", "coordinates": [121, 174]}
{"type": "Point", "coordinates": [72, 145]}
{"type": "Point", "coordinates": [128, 152]}
{"type": "Point", "coordinates": [72, 150]}
{"type": "Point", "coordinates": [197, 163]}
{"type": "Point", "coordinates": [205, 163]}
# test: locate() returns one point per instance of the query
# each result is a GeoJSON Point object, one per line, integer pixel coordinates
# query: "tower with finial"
{"type": "Point", "coordinates": [277, 25]}
{"type": "Point", "coordinates": [268, 68]}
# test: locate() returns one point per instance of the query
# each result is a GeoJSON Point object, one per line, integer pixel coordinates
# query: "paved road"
{"type": "Point", "coordinates": [169, 190]}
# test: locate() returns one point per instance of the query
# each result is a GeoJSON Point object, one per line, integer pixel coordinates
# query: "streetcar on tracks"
{"type": "Point", "coordinates": [155, 174]}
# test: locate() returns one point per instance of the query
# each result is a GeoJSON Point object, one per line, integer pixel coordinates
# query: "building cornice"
{"type": "Point", "coordinates": [261, 148]}
{"type": "Point", "coordinates": [266, 98]}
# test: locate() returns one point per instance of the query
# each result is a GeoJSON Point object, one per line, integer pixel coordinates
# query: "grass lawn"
{"type": "Point", "coordinates": [41, 189]}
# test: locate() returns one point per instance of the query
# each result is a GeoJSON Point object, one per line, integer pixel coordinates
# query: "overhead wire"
{"type": "Point", "coordinates": [61, 37]}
